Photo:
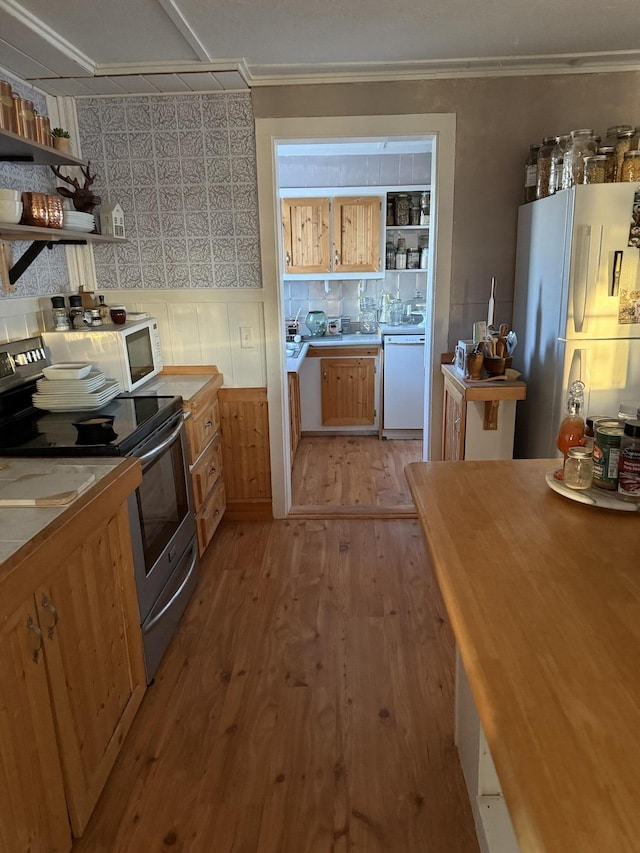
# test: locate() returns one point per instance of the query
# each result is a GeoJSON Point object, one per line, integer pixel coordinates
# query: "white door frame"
{"type": "Point", "coordinates": [270, 132]}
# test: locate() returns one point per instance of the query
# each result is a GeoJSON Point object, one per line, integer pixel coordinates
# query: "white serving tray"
{"type": "Point", "coordinates": [591, 497]}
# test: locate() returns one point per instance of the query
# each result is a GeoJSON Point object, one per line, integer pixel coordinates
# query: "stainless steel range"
{"type": "Point", "coordinates": [160, 511]}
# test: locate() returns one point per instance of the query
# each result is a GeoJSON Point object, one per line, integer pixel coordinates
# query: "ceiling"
{"type": "Point", "coordinates": [75, 47]}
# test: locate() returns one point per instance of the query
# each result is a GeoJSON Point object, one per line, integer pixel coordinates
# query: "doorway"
{"type": "Point", "coordinates": [269, 134]}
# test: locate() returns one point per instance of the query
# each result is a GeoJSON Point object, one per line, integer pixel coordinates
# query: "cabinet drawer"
{"type": "Point", "coordinates": [207, 471]}
{"type": "Point", "coordinates": [202, 427]}
{"type": "Point", "coordinates": [210, 514]}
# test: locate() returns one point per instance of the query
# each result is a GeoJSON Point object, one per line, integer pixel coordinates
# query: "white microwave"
{"type": "Point", "coordinates": [130, 353]}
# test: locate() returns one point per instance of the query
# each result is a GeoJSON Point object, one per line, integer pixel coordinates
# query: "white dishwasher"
{"type": "Point", "coordinates": [404, 379]}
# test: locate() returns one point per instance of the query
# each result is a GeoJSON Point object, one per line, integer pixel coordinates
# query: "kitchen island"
{"type": "Point", "coordinates": [544, 599]}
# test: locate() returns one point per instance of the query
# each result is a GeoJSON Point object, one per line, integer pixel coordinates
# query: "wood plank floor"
{"type": "Point", "coordinates": [354, 471]}
{"type": "Point", "coordinates": [305, 705]}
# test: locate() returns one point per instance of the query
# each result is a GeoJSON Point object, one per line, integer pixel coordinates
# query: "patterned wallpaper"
{"type": "Point", "coordinates": [184, 170]}
{"type": "Point", "coordinates": [48, 274]}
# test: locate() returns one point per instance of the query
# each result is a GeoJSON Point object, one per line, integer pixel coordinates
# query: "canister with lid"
{"type": "Point", "coordinates": [24, 117]}
{"type": "Point", "coordinates": [7, 116]}
{"type": "Point", "coordinates": [582, 145]}
{"type": "Point", "coordinates": [609, 153]}
{"type": "Point", "coordinates": [402, 209]}
{"type": "Point", "coordinates": [606, 454]}
{"type": "Point", "coordinates": [413, 258]}
{"type": "Point", "coordinates": [543, 167]}
{"type": "Point", "coordinates": [623, 144]}
{"type": "Point", "coordinates": [629, 463]}
{"type": "Point", "coordinates": [631, 166]}
{"type": "Point", "coordinates": [390, 256]}
{"type": "Point", "coordinates": [594, 169]}
{"type": "Point", "coordinates": [557, 162]}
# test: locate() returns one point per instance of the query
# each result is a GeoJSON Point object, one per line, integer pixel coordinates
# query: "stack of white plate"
{"type": "Point", "coordinates": [73, 220]}
{"type": "Point", "coordinates": [75, 395]}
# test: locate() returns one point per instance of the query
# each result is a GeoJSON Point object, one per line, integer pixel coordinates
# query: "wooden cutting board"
{"type": "Point", "coordinates": [54, 488]}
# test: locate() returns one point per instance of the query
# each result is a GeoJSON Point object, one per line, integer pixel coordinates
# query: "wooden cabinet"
{"type": "Point", "coordinates": [295, 418]}
{"type": "Point", "coordinates": [331, 235]}
{"type": "Point", "coordinates": [205, 449]}
{"type": "Point", "coordinates": [72, 671]}
{"type": "Point", "coordinates": [356, 234]}
{"type": "Point", "coordinates": [348, 391]}
{"type": "Point", "coordinates": [478, 417]}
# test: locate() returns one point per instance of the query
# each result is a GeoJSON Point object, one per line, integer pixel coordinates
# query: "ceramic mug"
{"type": "Point", "coordinates": [118, 315]}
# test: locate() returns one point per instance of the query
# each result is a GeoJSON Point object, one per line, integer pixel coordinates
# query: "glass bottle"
{"type": "Point", "coordinates": [582, 145]}
{"type": "Point", "coordinates": [571, 432]}
{"type": "Point", "coordinates": [557, 161]}
{"type": "Point", "coordinates": [578, 469]}
{"type": "Point", "coordinates": [543, 167]}
{"type": "Point", "coordinates": [531, 173]}
{"type": "Point", "coordinates": [105, 311]}
{"type": "Point", "coordinates": [623, 144]}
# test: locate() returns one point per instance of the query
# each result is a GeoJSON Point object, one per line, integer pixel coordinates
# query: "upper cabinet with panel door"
{"type": "Point", "coordinates": [330, 237]}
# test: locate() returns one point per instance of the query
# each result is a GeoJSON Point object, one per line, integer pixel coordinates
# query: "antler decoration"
{"type": "Point", "coordinates": [82, 197]}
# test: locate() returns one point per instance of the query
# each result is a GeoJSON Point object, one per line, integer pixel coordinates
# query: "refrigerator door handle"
{"type": "Point", "coordinates": [615, 276]}
{"type": "Point", "coordinates": [586, 278]}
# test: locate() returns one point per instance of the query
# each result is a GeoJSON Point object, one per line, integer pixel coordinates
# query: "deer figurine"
{"type": "Point", "coordinates": [83, 198]}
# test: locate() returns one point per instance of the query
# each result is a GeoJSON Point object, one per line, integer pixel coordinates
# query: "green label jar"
{"type": "Point", "coordinates": [606, 455]}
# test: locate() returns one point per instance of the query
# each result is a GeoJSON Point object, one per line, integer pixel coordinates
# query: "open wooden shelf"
{"type": "Point", "coordinates": [17, 149]}
{"type": "Point", "coordinates": [9, 231]}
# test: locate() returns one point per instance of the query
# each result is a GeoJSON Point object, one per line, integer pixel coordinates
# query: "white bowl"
{"type": "Point", "coordinates": [10, 211]}
{"type": "Point", "coordinates": [67, 370]}
{"type": "Point", "coordinates": [9, 195]}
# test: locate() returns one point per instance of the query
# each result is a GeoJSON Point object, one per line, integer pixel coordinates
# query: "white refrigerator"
{"type": "Point", "coordinates": [576, 307]}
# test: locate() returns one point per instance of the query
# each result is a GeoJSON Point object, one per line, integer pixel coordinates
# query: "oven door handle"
{"type": "Point", "coordinates": [158, 449]}
{"type": "Point", "coordinates": [175, 595]}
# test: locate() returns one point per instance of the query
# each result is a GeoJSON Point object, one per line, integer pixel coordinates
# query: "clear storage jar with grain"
{"type": "Point", "coordinates": [557, 161]}
{"type": "Point", "coordinates": [631, 166]}
{"type": "Point", "coordinates": [402, 209]}
{"type": "Point", "coordinates": [543, 167]}
{"type": "Point", "coordinates": [612, 133]}
{"type": "Point", "coordinates": [595, 169]}
{"type": "Point", "coordinates": [609, 152]}
{"type": "Point", "coordinates": [531, 173]}
{"type": "Point", "coordinates": [623, 144]}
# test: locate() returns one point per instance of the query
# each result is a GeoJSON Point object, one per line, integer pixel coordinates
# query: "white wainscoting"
{"type": "Point", "coordinates": [196, 327]}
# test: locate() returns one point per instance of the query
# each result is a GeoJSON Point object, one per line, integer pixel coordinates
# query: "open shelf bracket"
{"type": "Point", "coordinates": [24, 262]}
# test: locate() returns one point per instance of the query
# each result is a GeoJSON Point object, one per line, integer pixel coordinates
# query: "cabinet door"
{"type": "Point", "coordinates": [453, 428]}
{"type": "Point", "coordinates": [32, 804]}
{"type": "Point", "coordinates": [93, 650]}
{"type": "Point", "coordinates": [356, 234]}
{"type": "Point", "coordinates": [348, 391]}
{"type": "Point", "coordinates": [294, 413]}
{"type": "Point", "coordinates": [305, 224]}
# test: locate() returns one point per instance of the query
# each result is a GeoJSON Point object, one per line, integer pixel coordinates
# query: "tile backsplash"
{"type": "Point", "coordinates": [184, 170]}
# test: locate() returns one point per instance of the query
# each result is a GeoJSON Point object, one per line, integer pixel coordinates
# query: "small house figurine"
{"type": "Point", "coordinates": [112, 220]}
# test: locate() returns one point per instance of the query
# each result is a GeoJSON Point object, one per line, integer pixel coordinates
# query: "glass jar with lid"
{"type": "Point", "coordinates": [582, 145]}
{"type": "Point", "coordinates": [612, 133]}
{"type": "Point", "coordinates": [595, 169]}
{"type": "Point", "coordinates": [531, 173]}
{"type": "Point", "coordinates": [635, 139]}
{"type": "Point", "coordinates": [631, 166]}
{"type": "Point", "coordinates": [623, 144]}
{"type": "Point", "coordinates": [578, 468]}
{"type": "Point", "coordinates": [543, 167]}
{"type": "Point", "coordinates": [60, 315]}
{"type": "Point", "coordinates": [402, 209]}
{"type": "Point", "coordinates": [557, 161]}
{"type": "Point", "coordinates": [609, 152]}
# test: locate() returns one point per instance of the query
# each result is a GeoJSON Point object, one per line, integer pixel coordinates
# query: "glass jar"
{"type": "Point", "coordinates": [635, 140]}
{"type": "Point", "coordinates": [368, 315]}
{"type": "Point", "coordinates": [390, 213]}
{"type": "Point", "coordinates": [425, 207]}
{"type": "Point", "coordinates": [578, 468]}
{"type": "Point", "coordinates": [60, 316]}
{"type": "Point", "coordinates": [612, 133]}
{"type": "Point", "coordinates": [414, 215]}
{"type": "Point", "coordinates": [557, 161]}
{"type": "Point", "coordinates": [390, 256]}
{"type": "Point", "coordinates": [606, 455]}
{"type": "Point", "coordinates": [543, 167]}
{"type": "Point", "coordinates": [623, 144]}
{"type": "Point", "coordinates": [76, 311]}
{"type": "Point", "coordinates": [631, 166]}
{"type": "Point", "coordinates": [316, 322]}
{"type": "Point", "coordinates": [595, 169]}
{"type": "Point", "coordinates": [531, 173]}
{"type": "Point", "coordinates": [402, 209]}
{"type": "Point", "coordinates": [413, 258]}
{"type": "Point", "coordinates": [629, 463]}
{"type": "Point", "coordinates": [401, 256]}
{"type": "Point", "coordinates": [609, 153]}
{"type": "Point", "coordinates": [582, 145]}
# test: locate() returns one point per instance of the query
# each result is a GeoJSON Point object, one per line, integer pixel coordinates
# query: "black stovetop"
{"type": "Point", "coordinates": [37, 433]}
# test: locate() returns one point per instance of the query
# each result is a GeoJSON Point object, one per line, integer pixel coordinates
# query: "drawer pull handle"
{"type": "Point", "coordinates": [31, 625]}
{"type": "Point", "coordinates": [46, 603]}
{"type": "Point", "coordinates": [212, 470]}
{"type": "Point", "coordinates": [208, 424]}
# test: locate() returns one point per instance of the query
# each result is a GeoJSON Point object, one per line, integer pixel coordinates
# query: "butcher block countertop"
{"type": "Point", "coordinates": [544, 599]}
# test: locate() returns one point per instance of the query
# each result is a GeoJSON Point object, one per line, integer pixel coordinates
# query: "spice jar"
{"type": "Point", "coordinates": [531, 173]}
{"type": "Point", "coordinates": [557, 161]}
{"type": "Point", "coordinates": [631, 166]}
{"type": "Point", "coordinates": [60, 316]}
{"type": "Point", "coordinates": [582, 145]}
{"type": "Point", "coordinates": [623, 144]}
{"type": "Point", "coordinates": [578, 468]}
{"type": "Point", "coordinates": [402, 209]}
{"type": "Point", "coordinates": [629, 463]}
{"type": "Point", "coordinates": [606, 454]}
{"type": "Point", "coordinates": [76, 311]}
{"type": "Point", "coordinates": [543, 167]}
{"type": "Point", "coordinates": [7, 117]}
{"type": "Point", "coordinates": [594, 169]}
